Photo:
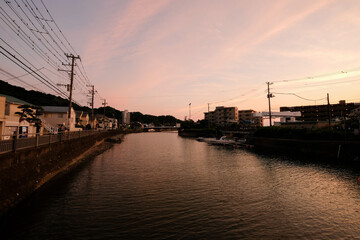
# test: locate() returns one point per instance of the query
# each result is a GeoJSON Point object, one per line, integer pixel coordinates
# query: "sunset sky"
{"type": "Point", "coordinates": [157, 56]}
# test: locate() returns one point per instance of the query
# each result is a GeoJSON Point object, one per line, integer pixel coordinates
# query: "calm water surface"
{"type": "Point", "coordinates": [161, 186]}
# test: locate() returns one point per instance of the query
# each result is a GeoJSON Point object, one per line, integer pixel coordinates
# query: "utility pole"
{"type": "Point", "coordinates": [71, 82]}
{"type": "Point", "coordinates": [269, 95]}
{"type": "Point", "coordinates": [92, 92]}
{"type": "Point", "coordinates": [329, 116]}
{"type": "Point", "coordinates": [208, 107]}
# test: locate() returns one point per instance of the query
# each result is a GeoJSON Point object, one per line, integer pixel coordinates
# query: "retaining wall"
{"type": "Point", "coordinates": [24, 171]}
{"type": "Point", "coordinates": [323, 149]}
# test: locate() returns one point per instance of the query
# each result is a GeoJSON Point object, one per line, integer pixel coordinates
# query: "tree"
{"type": "Point", "coordinates": [31, 114]}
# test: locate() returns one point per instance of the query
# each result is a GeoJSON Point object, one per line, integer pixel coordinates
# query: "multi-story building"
{"type": "Point", "coordinates": [247, 118]}
{"type": "Point", "coordinates": [125, 119]}
{"type": "Point", "coordinates": [223, 116]}
{"type": "Point", "coordinates": [319, 113]}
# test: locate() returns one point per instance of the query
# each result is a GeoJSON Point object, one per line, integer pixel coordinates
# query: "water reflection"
{"type": "Point", "coordinates": [161, 186]}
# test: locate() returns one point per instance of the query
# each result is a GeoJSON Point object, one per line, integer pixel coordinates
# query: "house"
{"type": "Point", "coordinates": [103, 121]}
{"type": "Point", "coordinates": [82, 118]}
{"type": "Point", "coordinates": [115, 123]}
{"type": "Point", "coordinates": [57, 117]}
{"type": "Point", "coordinates": [10, 122]}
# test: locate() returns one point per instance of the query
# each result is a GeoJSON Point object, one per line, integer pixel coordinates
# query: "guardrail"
{"type": "Point", "coordinates": [14, 143]}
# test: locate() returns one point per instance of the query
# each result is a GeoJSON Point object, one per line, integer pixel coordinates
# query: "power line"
{"type": "Point", "coordinates": [318, 76]}
{"type": "Point", "coordinates": [37, 34]}
{"type": "Point", "coordinates": [11, 23]}
{"type": "Point", "coordinates": [307, 99]}
{"type": "Point", "coordinates": [33, 31]}
{"type": "Point", "coordinates": [31, 72]}
{"type": "Point", "coordinates": [73, 50]}
{"type": "Point", "coordinates": [6, 73]}
{"type": "Point", "coordinates": [17, 77]}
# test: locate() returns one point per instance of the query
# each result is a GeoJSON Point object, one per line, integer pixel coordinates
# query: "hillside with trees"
{"type": "Point", "coordinates": [42, 99]}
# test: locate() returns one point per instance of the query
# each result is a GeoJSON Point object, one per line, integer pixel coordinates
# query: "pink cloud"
{"type": "Point", "coordinates": [119, 30]}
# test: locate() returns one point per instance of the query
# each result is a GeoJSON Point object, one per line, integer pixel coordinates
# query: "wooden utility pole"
{"type": "Point", "coordinates": [269, 95]}
{"type": "Point", "coordinates": [329, 115]}
{"type": "Point", "coordinates": [92, 92]}
{"type": "Point", "coordinates": [71, 83]}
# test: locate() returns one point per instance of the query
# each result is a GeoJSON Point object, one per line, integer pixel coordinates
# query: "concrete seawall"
{"type": "Point", "coordinates": [22, 172]}
{"type": "Point", "coordinates": [347, 151]}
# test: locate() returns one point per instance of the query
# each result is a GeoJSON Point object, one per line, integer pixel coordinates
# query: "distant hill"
{"type": "Point", "coordinates": [33, 97]}
{"type": "Point", "coordinates": [157, 120]}
{"type": "Point", "coordinates": [43, 99]}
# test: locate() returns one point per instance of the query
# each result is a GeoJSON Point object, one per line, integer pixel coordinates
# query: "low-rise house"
{"type": "Point", "coordinates": [82, 118]}
{"type": "Point", "coordinates": [10, 122]}
{"type": "Point", "coordinates": [57, 117]}
{"type": "Point", "coordinates": [103, 121]}
{"type": "Point", "coordinates": [115, 123]}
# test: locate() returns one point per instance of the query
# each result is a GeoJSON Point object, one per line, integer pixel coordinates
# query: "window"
{"type": "Point", "coordinates": [7, 109]}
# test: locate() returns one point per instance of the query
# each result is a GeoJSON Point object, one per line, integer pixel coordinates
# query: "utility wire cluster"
{"type": "Point", "coordinates": [323, 80]}
{"type": "Point", "coordinates": [36, 48]}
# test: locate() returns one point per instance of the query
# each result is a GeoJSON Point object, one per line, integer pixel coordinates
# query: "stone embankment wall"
{"type": "Point", "coordinates": [24, 171]}
{"type": "Point", "coordinates": [325, 149]}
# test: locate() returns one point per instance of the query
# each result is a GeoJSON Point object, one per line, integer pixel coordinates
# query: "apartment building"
{"type": "Point", "coordinates": [125, 118]}
{"type": "Point", "coordinates": [223, 116]}
{"type": "Point", "coordinates": [247, 118]}
{"type": "Point", "coordinates": [318, 113]}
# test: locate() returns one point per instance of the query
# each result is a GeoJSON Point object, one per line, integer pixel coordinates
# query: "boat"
{"type": "Point", "coordinates": [224, 141]}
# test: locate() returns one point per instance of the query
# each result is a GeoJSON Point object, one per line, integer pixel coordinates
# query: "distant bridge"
{"type": "Point", "coordinates": [161, 128]}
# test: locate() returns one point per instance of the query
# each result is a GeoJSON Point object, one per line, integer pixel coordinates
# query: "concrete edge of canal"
{"type": "Point", "coordinates": [25, 171]}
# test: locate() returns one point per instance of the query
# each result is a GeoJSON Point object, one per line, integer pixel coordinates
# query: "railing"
{"type": "Point", "coordinates": [12, 143]}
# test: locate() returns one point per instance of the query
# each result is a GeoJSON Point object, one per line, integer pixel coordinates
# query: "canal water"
{"type": "Point", "coordinates": [162, 186]}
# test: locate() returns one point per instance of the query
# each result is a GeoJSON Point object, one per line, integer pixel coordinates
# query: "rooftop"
{"type": "Point", "coordinates": [55, 109]}
{"type": "Point", "coordinates": [11, 99]}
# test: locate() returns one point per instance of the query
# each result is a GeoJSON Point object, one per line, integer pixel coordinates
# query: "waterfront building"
{"type": "Point", "coordinates": [319, 113]}
{"type": "Point", "coordinates": [10, 122]}
{"type": "Point", "coordinates": [247, 119]}
{"type": "Point", "coordinates": [114, 123]}
{"type": "Point", "coordinates": [223, 116]}
{"type": "Point", "coordinates": [57, 118]}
